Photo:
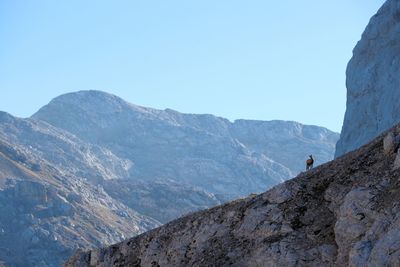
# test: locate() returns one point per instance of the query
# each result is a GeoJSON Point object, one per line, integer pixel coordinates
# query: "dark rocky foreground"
{"type": "Point", "coordinates": [343, 213]}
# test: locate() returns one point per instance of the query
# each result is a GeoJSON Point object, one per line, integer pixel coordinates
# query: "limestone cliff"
{"type": "Point", "coordinates": [373, 81]}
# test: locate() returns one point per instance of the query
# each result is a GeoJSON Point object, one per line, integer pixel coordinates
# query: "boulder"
{"type": "Point", "coordinates": [389, 143]}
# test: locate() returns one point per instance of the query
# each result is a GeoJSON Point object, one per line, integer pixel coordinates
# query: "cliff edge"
{"type": "Point", "coordinates": [372, 81]}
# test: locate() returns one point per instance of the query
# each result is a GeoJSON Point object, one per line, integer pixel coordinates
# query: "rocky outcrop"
{"type": "Point", "coordinates": [343, 213]}
{"type": "Point", "coordinates": [373, 81]}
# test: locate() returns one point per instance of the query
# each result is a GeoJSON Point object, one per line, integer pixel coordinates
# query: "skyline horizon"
{"type": "Point", "coordinates": [167, 108]}
{"type": "Point", "coordinates": [258, 60]}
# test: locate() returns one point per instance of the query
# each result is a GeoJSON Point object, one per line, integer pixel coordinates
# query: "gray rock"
{"type": "Point", "coordinates": [396, 164]}
{"type": "Point", "coordinates": [389, 144]}
{"type": "Point", "coordinates": [353, 221]}
{"type": "Point", "coordinates": [279, 194]}
{"type": "Point", "coordinates": [35, 202]}
{"type": "Point", "coordinates": [372, 81]}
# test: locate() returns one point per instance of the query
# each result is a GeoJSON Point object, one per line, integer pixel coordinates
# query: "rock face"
{"type": "Point", "coordinates": [50, 200]}
{"type": "Point", "coordinates": [226, 159]}
{"type": "Point", "coordinates": [373, 81]}
{"type": "Point", "coordinates": [343, 213]}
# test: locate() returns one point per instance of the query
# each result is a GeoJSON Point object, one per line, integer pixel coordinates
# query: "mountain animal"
{"type": "Point", "coordinates": [309, 163]}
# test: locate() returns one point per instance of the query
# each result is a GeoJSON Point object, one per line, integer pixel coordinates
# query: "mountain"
{"type": "Point", "coordinates": [343, 213]}
{"type": "Point", "coordinates": [49, 198]}
{"type": "Point", "coordinates": [373, 81]}
{"type": "Point", "coordinates": [90, 169]}
{"type": "Point", "coordinates": [224, 158]}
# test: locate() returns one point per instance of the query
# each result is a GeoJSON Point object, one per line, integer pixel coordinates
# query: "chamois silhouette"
{"type": "Point", "coordinates": [309, 163]}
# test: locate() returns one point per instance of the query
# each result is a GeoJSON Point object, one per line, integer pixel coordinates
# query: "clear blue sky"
{"type": "Point", "coordinates": [256, 59]}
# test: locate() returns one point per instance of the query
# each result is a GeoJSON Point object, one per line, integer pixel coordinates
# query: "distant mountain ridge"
{"type": "Point", "coordinates": [90, 169]}
{"type": "Point", "coordinates": [128, 125]}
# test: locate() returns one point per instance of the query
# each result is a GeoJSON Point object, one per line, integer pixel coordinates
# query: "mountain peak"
{"type": "Point", "coordinates": [86, 99]}
{"type": "Point", "coordinates": [6, 117]}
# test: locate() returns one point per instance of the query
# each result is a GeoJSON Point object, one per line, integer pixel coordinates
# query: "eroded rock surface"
{"type": "Point", "coordinates": [51, 202]}
{"type": "Point", "coordinates": [373, 81]}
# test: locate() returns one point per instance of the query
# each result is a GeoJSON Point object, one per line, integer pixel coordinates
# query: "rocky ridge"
{"type": "Point", "coordinates": [343, 213]}
{"type": "Point", "coordinates": [226, 159]}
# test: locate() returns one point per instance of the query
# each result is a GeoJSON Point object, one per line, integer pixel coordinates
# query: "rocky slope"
{"type": "Point", "coordinates": [49, 198]}
{"type": "Point", "coordinates": [223, 158]}
{"type": "Point", "coordinates": [373, 80]}
{"type": "Point", "coordinates": [343, 213]}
